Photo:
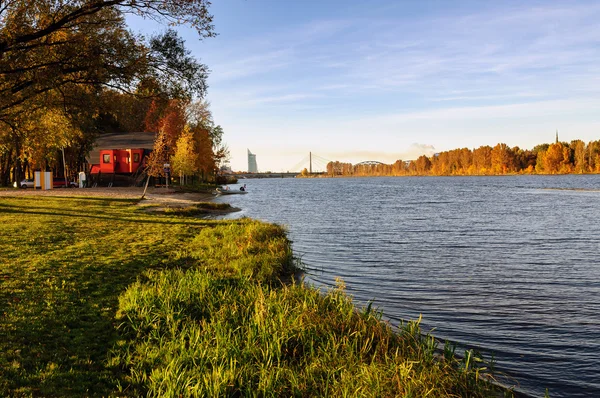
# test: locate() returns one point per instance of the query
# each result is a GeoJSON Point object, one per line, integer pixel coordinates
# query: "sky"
{"type": "Point", "coordinates": [357, 80]}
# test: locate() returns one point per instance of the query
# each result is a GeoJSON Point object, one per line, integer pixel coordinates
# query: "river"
{"type": "Point", "coordinates": [508, 265]}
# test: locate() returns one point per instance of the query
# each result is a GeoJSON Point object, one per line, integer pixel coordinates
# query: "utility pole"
{"type": "Point", "coordinates": [310, 162]}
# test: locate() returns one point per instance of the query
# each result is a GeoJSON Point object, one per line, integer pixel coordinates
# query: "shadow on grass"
{"type": "Point", "coordinates": [75, 198]}
{"type": "Point", "coordinates": [79, 215]}
{"type": "Point", "coordinates": [135, 217]}
{"type": "Point", "coordinates": [64, 328]}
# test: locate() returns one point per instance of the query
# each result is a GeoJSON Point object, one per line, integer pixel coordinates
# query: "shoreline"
{"type": "Point", "coordinates": [231, 244]}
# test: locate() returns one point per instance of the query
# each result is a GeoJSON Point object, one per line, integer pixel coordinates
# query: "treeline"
{"type": "Point", "coordinates": [72, 70]}
{"type": "Point", "coordinates": [187, 138]}
{"type": "Point", "coordinates": [557, 158]}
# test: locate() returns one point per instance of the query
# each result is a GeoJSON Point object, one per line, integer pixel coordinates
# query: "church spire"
{"type": "Point", "coordinates": [557, 136]}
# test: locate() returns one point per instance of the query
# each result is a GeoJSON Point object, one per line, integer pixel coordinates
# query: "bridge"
{"type": "Point", "coordinates": [268, 175]}
{"type": "Point", "coordinates": [369, 163]}
{"type": "Point", "coordinates": [312, 162]}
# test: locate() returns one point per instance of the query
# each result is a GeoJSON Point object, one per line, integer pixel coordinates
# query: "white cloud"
{"type": "Point", "coordinates": [383, 81]}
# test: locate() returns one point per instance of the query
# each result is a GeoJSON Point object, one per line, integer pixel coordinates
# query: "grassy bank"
{"type": "Point", "coordinates": [100, 298]}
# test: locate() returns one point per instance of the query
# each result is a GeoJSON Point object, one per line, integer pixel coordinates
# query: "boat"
{"type": "Point", "coordinates": [222, 191]}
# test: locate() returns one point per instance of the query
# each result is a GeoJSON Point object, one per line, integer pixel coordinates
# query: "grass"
{"type": "Point", "coordinates": [98, 298]}
{"type": "Point", "coordinates": [199, 209]}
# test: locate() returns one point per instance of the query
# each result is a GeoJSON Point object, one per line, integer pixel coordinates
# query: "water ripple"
{"type": "Point", "coordinates": [508, 266]}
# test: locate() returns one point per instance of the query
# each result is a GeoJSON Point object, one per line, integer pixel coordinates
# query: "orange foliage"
{"type": "Point", "coordinates": [556, 158]}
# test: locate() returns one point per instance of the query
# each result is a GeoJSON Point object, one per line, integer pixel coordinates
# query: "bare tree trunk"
{"type": "Point", "coordinates": [17, 170]}
{"type": "Point", "coordinates": [4, 177]}
{"type": "Point", "coordinates": [146, 187]}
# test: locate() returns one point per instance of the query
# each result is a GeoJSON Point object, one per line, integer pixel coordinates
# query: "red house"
{"type": "Point", "coordinates": [119, 161]}
{"type": "Point", "coordinates": [120, 153]}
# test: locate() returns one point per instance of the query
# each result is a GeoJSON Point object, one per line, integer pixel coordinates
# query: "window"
{"type": "Point", "coordinates": [136, 157]}
{"type": "Point", "coordinates": [106, 158]}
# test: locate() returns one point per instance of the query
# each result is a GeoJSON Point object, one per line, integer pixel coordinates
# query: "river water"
{"type": "Point", "coordinates": [509, 266]}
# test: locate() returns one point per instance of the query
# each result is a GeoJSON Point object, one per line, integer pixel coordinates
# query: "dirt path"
{"type": "Point", "coordinates": [154, 196]}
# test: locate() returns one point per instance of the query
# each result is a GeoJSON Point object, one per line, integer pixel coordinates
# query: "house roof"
{"type": "Point", "coordinates": [120, 141]}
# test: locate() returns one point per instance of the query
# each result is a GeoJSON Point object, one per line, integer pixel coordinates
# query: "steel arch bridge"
{"type": "Point", "coordinates": [368, 163]}
{"type": "Point", "coordinates": [318, 164]}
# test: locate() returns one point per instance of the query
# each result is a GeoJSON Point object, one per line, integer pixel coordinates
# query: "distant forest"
{"type": "Point", "coordinates": [559, 158]}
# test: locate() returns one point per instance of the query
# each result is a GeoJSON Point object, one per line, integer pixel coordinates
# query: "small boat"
{"type": "Point", "coordinates": [222, 191]}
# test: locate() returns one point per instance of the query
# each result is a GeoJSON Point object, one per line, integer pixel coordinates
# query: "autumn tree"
{"type": "Point", "coordinates": [482, 159]}
{"type": "Point", "coordinates": [579, 155]}
{"type": "Point", "coordinates": [503, 159]}
{"type": "Point", "coordinates": [205, 164]}
{"type": "Point", "coordinates": [54, 53]}
{"type": "Point", "coordinates": [185, 158]}
{"type": "Point", "coordinates": [158, 157]}
{"type": "Point", "coordinates": [422, 165]}
{"type": "Point", "coordinates": [552, 159]}
{"type": "Point", "coordinates": [593, 155]}
{"type": "Point", "coordinates": [440, 164]}
{"type": "Point", "coordinates": [524, 160]}
{"type": "Point", "coordinates": [31, 30]}
{"type": "Point", "coordinates": [399, 168]}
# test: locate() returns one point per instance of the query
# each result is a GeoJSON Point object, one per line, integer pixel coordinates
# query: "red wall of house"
{"type": "Point", "coordinates": [120, 161]}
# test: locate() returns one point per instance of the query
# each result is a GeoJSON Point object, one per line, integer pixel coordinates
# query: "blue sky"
{"type": "Point", "coordinates": [386, 80]}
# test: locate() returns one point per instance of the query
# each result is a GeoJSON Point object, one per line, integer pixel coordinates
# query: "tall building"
{"type": "Point", "coordinates": [252, 168]}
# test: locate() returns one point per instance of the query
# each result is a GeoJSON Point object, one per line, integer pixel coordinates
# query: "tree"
{"type": "Point", "coordinates": [98, 49]}
{"type": "Point", "coordinates": [593, 155]}
{"type": "Point", "coordinates": [524, 160]}
{"type": "Point", "coordinates": [206, 161]}
{"type": "Point", "coordinates": [31, 22]}
{"type": "Point", "coordinates": [170, 120]}
{"type": "Point", "coordinates": [399, 168]}
{"type": "Point", "coordinates": [580, 158]}
{"type": "Point", "coordinates": [158, 157]}
{"type": "Point", "coordinates": [422, 165]}
{"type": "Point", "coordinates": [185, 158]}
{"type": "Point", "coordinates": [220, 149]}
{"type": "Point", "coordinates": [482, 159]}
{"type": "Point", "coordinates": [553, 158]}
{"type": "Point", "coordinates": [53, 53]}
{"type": "Point", "coordinates": [503, 159]}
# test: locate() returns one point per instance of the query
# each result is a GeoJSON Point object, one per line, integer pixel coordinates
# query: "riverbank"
{"type": "Point", "coordinates": [103, 298]}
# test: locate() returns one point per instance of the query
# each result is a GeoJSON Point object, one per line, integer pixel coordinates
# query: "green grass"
{"type": "Point", "coordinates": [99, 298]}
{"type": "Point", "coordinates": [199, 209]}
